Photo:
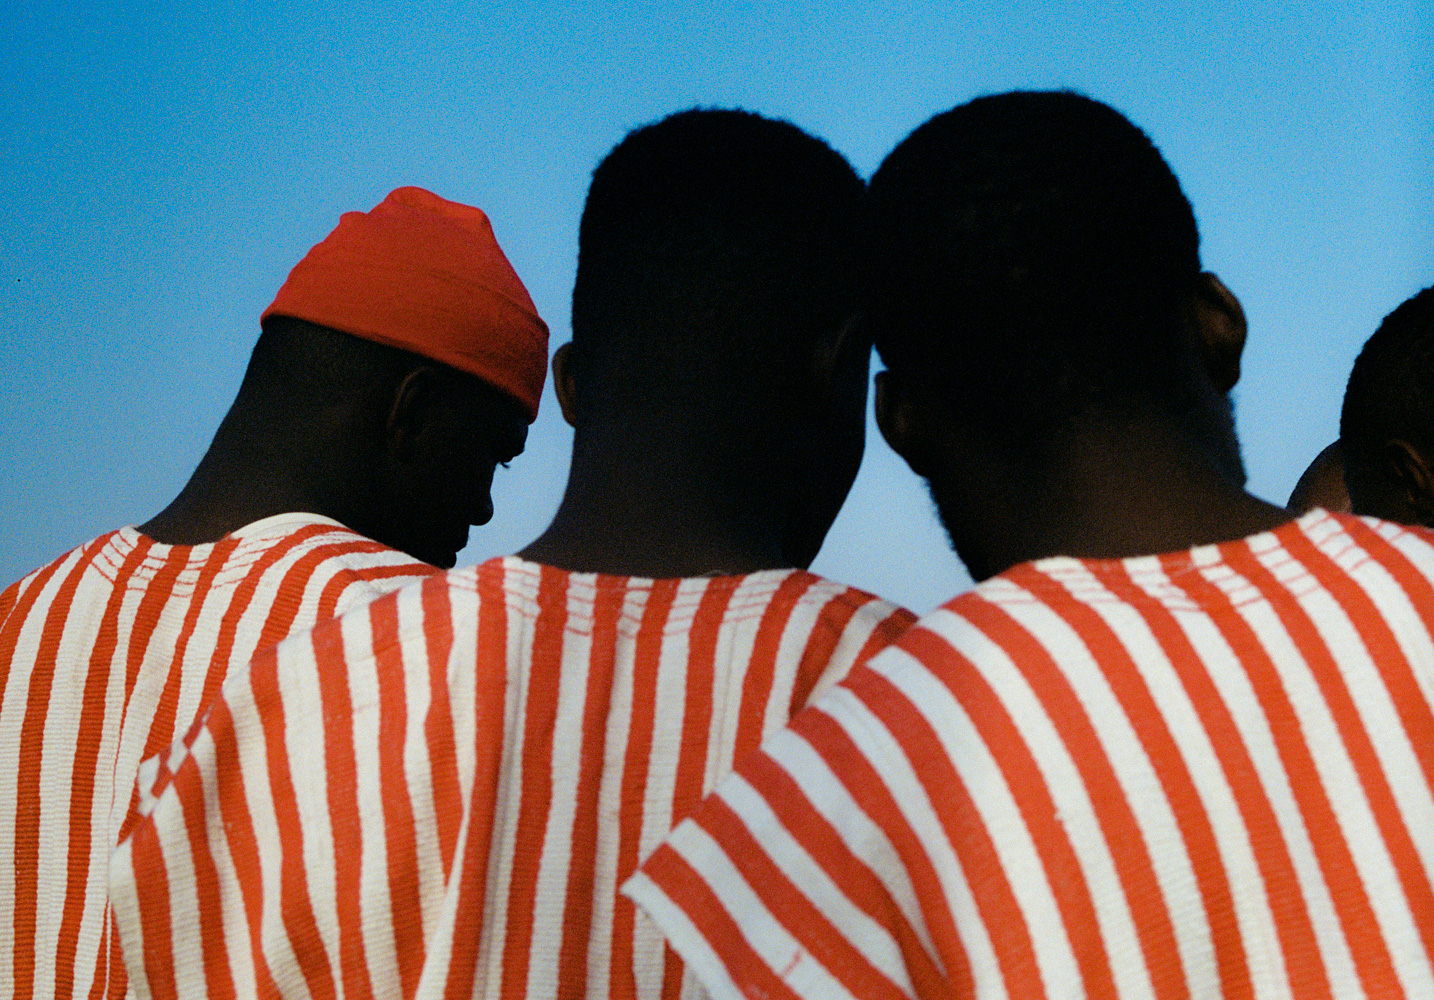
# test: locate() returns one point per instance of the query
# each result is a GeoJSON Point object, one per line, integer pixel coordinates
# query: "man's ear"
{"type": "Point", "coordinates": [563, 386]}
{"type": "Point", "coordinates": [410, 412]}
{"type": "Point", "coordinates": [900, 424]}
{"type": "Point", "coordinates": [1220, 324]}
{"type": "Point", "coordinates": [1408, 467]}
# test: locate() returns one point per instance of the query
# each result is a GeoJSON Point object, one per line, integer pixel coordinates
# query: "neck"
{"type": "Point", "coordinates": [651, 504]}
{"type": "Point", "coordinates": [1114, 492]}
{"type": "Point", "coordinates": [245, 477]}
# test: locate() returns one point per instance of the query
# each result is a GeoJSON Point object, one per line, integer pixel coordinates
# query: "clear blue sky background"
{"type": "Point", "coordinates": [164, 166]}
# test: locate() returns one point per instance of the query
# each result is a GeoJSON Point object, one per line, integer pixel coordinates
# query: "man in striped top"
{"type": "Point", "coordinates": [398, 364]}
{"type": "Point", "coordinates": [1104, 773]}
{"type": "Point", "coordinates": [439, 794]}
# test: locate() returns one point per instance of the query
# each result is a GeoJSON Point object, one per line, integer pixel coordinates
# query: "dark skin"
{"type": "Point", "coordinates": [1322, 484]}
{"type": "Point", "coordinates": [410, 465]}
{"type": "Point", "coordinates": [649, 496]}
{"type": "Point", "coordinates": [1399, 488]}
{"type": "Point", "coordinates": [1116, 486]}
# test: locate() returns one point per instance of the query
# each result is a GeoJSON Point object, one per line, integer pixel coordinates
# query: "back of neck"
{"type": "Point", "coordinates": [651, 506]}
{"type": "Point", "coordinates": [1126, 491]}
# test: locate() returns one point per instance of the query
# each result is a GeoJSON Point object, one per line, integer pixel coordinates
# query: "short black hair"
{"type": "Point", "coordinates": [1390, 393]}
{"type": "Point", "coordinates": [1030, 256]}
{"type": "Point", "coordinates": [716, 246]}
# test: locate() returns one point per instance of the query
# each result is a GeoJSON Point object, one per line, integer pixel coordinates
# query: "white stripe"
{"type": "Point", "coordinates": [763, 933]}
{"type": "Point", "coordinates": [688, 942]}
{"type": "Point", "coordinates": [610, 804]}
{"type": "Point", "coordinates": [1144, 793]}
{"type": "Point", "coordinates": [1250, 720]}
{"type": "Point", "coordinates": [1258, 937]}
{"type": "Point", "coordinates": [828, 897]}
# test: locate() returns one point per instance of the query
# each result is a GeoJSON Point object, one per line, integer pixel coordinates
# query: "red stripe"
{"type": "Point", "coordinates": [151, 885]}
{"type": "Point", "coordinates": [335, 591]}
{"type": "Point", "coordinates": [963, 826]}
{"type": "Point", "coordinates": [832, 619]}
{"type": "Point", "coordinates": [757, 684]}
{"type": "Point", "coordinates": [238, 604]}
{"type": "Point", "coordinates": [1119, 828]}
{"type": "Point", "coordinates": [85, 778]}
{"type": "Point", "coordinates": [537, 776]}
{"type": "Point", "coordinates": [647, 657]}
{"type": "Point", "coordinates": [340, 769]}
{"type": "Point", "coordinates": [207, 888]}
{"type": "Point", "coordinates": [489, 729]}
{"type": "Point", "coordinates": [400, 846]}
{"type": "Point", "coordinates": [821, 841]}
{"type": "Point", "coordinates": [1304, 964]}
{"type": "Point", "coordinates": [1196, 830]}
{"type": "Point", "coordinates": [1409, 701]}
{"type": "Point", "coordinates": [294, 900]}
{"type": "Point", "coordinates": [1383, 648]}
{"type": "Point", "coordinates": [436, 601]}
{"type": "Point", "coordinates": [32, 740]}
{"type": "Point", "coordinates": [238, 832]}
{"type": "Point", "coordinates": [714, 925]}
{"type": "Point", "coordinates": [792, 909]}
{"type": "Point", "coordinates": [162, 729]}
{"type": "Point", "coordinates": [698, 702]}
{"type": "Point", "coordinates": [582, 862]}
{"type": "Point", "coordinates": [27, 846]}
{"type": "Point", "coordinates": [293, 585]}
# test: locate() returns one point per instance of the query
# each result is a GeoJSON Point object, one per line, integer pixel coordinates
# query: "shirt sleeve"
{"type": "Point", "coordinates": [801, 876]}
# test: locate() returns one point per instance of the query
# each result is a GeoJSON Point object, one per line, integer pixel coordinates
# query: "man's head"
{"type": "Point", "coordinates": [1036, 270]}
{"type": "Point", "coordinates": [1386, 427]}
{"type": "Point", "coordinates": [715, 293]}
{"type": "Point", "coordinates": [405, 359]}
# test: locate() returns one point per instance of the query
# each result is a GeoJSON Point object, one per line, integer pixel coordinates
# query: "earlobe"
{"type": "Point", "coordinates": [563, 385]}
{"type": "Point", "coordinates": [1221, 327]}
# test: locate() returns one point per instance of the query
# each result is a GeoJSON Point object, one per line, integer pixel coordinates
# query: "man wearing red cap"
{"type": "Point", "coordinates": [439, 794]}
{"type": "Point", "coordinates": [398, 365]}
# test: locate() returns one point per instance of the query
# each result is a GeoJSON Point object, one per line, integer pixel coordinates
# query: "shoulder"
{"type": "Point", "coordinates": [99, 559]}
{"type": "Point", "coordinates": [841, 603]}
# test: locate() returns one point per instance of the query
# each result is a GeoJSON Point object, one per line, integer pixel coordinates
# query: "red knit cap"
{"type": "Point", "coordinates": [426, 275]}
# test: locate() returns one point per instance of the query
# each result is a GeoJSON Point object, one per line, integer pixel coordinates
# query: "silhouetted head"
{"type": "Point", "coordinates": [1035, 270]}
{"type": "Point", "coordinates": [1386, 427]}
{"type": "Point", "coordinates": [398, 364]}
{"type": "Point", "coordinates": [399, 447]}
{"type": "Point", "coordinates": [716, 288]}
{"type": "Point", "coordinates": [1322, 484]}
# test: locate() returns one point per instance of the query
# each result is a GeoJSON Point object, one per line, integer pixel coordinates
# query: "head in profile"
{"type": "Point", "coordinates": [1059, 365]}
{"type": "Point", "coordinates": [401, 361]}
{"type": "Point", "coordinates": [716, 378]}
{"type": "Point", "coordinates": [1386, 427]}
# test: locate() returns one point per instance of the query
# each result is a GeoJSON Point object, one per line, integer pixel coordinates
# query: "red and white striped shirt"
{"type": "Point", "coordinates": [439, 794]}
{"type": "Point", "coordinates": [106, 655]}
{"type": "Point", "coordinates": [1201, 774]}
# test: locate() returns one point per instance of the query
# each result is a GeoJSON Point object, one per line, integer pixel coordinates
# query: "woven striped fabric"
{"type": "Point", "coordinates": [1198, 775]}
{"type": "Point", "coordinates": [438, 795]}
{"type": "Point", "coordinates": [106, 655]}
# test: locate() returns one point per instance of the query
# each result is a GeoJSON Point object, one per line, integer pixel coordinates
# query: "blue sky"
{"type": "Point", "coordinates": [165, 165]}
